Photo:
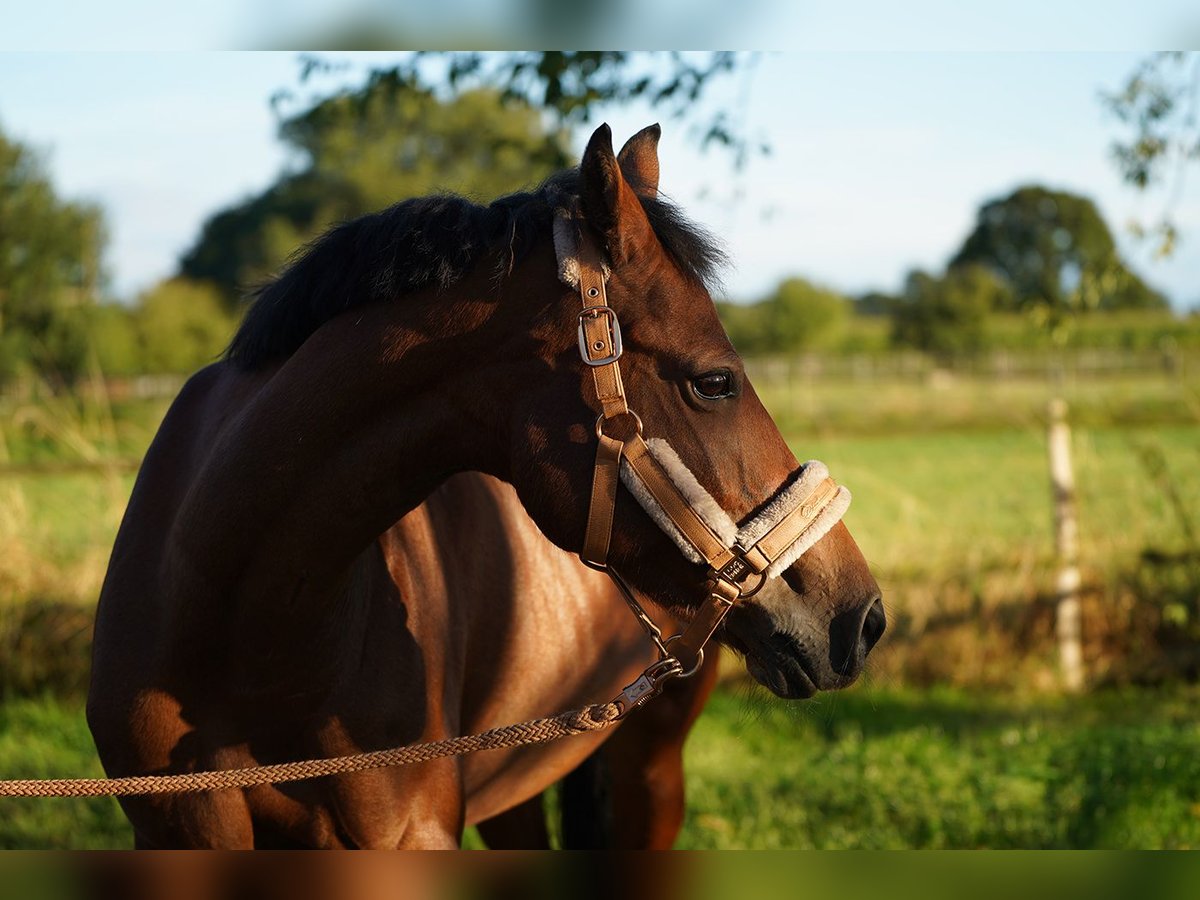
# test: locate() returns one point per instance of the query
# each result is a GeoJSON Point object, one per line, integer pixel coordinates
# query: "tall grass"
{"type": "Point", "coordinates": [56, 529]}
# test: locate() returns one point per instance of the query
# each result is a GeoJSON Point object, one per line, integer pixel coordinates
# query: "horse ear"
{"type": "Point", "coordinates": [609, 203]}
{"type": "Point", "coordinates": [639, 161]}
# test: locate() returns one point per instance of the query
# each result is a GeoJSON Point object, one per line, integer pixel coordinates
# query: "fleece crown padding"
{"type": "Point", "coordinates": [566, 248]}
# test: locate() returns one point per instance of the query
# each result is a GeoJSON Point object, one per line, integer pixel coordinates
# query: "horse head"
{"type": "Point", "coordinates": [808, 629]}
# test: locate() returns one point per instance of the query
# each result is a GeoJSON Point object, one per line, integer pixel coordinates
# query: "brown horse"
{"type": "Point", "coordinates": [270, 597]}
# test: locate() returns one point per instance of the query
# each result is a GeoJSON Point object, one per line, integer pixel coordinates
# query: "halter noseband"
{"type": "Point", "coordinates": [739, 560]}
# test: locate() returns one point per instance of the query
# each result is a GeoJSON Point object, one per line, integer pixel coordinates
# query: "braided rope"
{"type": "Point", "coordinates": [536, 731]}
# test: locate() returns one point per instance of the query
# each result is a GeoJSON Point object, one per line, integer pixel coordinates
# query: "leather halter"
{"type": "Point", "coordinates": [734, 572]}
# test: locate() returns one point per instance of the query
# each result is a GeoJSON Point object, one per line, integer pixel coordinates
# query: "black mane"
{"type": "Point", "coordinates": [423, 242]}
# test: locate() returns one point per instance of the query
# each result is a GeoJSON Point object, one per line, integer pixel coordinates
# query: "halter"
{"type": "Point", "coordinates": [739, 560]}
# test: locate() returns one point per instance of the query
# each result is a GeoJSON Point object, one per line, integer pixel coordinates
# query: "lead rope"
{"type": "Point", "coordinates": [731, 569]}
{"type": "Point", "coordinates": [596, 717]}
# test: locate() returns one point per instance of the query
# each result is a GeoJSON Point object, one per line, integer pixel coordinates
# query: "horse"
{"type": "Point", "coordinates": [275, 592]}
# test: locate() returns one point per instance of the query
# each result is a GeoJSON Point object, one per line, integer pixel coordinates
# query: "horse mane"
{"type": "Point", "coordinates": [423, 242]}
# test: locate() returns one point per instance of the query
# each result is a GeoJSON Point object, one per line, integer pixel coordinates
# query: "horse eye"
{"type": "Point", "coordinates": [713, 385]}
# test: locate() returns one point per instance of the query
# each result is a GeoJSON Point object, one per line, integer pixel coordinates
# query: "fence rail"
{"type": "Point", "coordinates": [1000, 364]}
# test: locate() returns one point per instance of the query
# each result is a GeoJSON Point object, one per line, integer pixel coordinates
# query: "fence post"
{"type": "Point", "coordinates": [1067, 611]}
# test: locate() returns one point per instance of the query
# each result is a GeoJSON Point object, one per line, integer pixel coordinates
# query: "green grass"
{"type": "Point", "coordinates": [877, 768]}
{"type": "Point", "coordinates": [869, 767]}
{"type": "Point", "coordinates": [952, 508]}
{"type": "Point", "coordinates": [48, 738]}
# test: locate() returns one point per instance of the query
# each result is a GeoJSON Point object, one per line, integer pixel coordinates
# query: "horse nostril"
{"type": "Point", "coordinates": [874, 624]}
{"type": "Point", "coordinates": [852, 634]}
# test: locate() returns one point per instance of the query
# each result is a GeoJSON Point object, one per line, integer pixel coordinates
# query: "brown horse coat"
{"type": "Point", "coordinates": [253, 613]}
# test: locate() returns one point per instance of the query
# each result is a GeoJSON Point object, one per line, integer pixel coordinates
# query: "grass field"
{"type": "Point", "coordinates": [952, 508]}
{"type": "Point", "coordinates": [871, 767]}
{"type": "Point", "coordinates": [946, 768]}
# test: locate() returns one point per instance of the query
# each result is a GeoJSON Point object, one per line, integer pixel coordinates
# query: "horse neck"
{"type": "Point", "coordinates": [376, 409]}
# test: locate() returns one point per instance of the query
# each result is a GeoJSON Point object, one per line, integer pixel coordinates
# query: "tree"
{"type": "Point", "coordinates": [1054, 249]}
{"type": "Point", "coordinates": [50, 252]}
{"type": "Point", "coordinates": [948, 316]}
{"type": "Point", "coordinates": [181, 326]}
{"type": "Point", "coordinates": [803, 316]}
{"type": "Point", "coordinates": [797, 316]}
{"type": "Point", "coordinates": [570, 84]}
{"type": "Point", "coordinates": [1158, 105]}
{"type": "Point", "coordinates": [362, 150]}
{"type": "Point", "coordinates": [112, 328]}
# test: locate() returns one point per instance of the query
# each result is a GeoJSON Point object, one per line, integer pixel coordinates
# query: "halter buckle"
{"type": "Point", "coordinates": [614, 336]}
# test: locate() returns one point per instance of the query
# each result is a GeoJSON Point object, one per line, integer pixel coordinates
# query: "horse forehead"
{"type": "Point", "coordinates": [683, 323]}
{"type": "Point", "coordinates": [674, 302]}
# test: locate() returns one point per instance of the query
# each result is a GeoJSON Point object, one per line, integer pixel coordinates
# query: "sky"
{"type": "Point", "coordinates": [878, 159]}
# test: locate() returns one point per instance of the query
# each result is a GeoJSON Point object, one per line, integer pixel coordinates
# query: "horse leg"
{"type": "Point", "coordinates": [630, 793]}
{"type": "Point", "coordinates": [214, 820]}
{"type": "Point", "coordinates": [521, 828]}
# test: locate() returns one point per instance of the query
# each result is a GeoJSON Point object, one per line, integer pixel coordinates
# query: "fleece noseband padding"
{"type": "Point", "coordinates": [812, 474]}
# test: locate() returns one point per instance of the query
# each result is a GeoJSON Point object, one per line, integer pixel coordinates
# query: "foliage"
{"type": "Point", "coordinates": [177, 326]}
{"type": "Point", "coordinates": [1035, 263]}
{"type": "Point", "coordinates": [49, 268]}
{"type": "Point", "coordinates": [1131, 330]}
{"type": "Point", "coordinates": [948, 316]}
{"type": "Point", "coordinates": [1158, 105]}
{"type": "Point", "coordinates": [571, 84]}
{"type": "Point", "coordinates": [361, 150]}
{"type": "Point", "coordinates": [112, 329]}
{"type": "Point", "coordinates": [182, 325]}
{"type": "Point", "coordinates": [797, 316]}
{"type": "Point", "coordinates": [1055, 250]}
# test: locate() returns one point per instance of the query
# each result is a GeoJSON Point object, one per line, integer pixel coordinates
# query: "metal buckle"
{"type": "Point", "coordinates": [614, 331]}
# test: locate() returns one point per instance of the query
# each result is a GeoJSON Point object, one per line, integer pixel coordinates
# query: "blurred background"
{"type": "Point", "coordinates": [970, 283]}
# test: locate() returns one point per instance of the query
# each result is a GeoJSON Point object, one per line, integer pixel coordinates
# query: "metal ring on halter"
{"type": "Point", "coordinates": [762, 579]}
{"type": "Point", "coordinates": [601, 419]}
{"type": "Point", "coordinates": [734, 571]}
{"type": "Point", "coordinates": [699, 658]}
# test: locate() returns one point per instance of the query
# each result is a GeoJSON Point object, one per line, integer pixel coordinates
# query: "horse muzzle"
{"type": "Point", "coordinates": [796, 653]}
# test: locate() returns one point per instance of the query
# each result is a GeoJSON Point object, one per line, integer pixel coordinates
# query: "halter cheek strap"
{"type": "Point", "coordinates": [739, 559]}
